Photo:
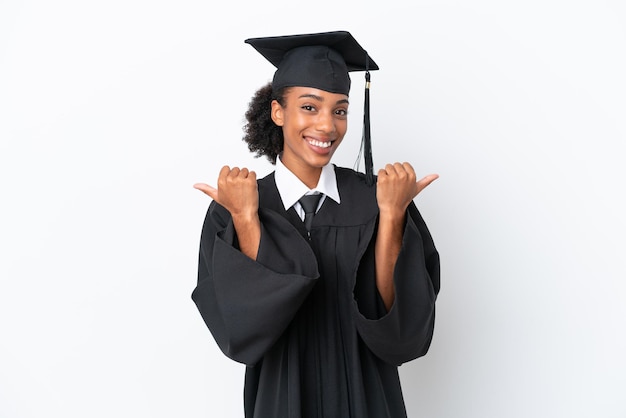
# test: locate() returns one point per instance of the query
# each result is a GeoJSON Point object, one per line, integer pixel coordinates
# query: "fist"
{"type": "Point", "coordinates": [397, 186]}
{"type": "Point", "coordinates": [236, 191]}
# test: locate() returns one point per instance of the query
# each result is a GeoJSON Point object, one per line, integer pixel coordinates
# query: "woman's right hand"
{"type": "Point", "coordinates": [236, 190]}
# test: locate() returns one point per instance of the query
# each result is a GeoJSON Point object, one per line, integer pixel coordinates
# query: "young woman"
{"type": "Point", "coordinates": [321, 312]}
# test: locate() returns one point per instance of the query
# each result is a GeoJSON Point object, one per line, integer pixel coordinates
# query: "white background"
{"type": "Point", "coordinates": [110, 111]}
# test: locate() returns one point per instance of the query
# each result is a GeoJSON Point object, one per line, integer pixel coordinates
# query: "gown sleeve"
{"type": "Point", "coordinates": [406, 330]}
{"type": "Point", "coordinates": [246, 303]}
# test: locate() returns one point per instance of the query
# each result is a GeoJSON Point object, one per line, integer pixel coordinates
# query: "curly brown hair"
{"type": "Point", "coordinates": [262, 135]}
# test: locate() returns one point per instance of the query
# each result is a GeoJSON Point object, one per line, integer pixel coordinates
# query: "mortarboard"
{"type": "Point", "coordinates": [320, 60]}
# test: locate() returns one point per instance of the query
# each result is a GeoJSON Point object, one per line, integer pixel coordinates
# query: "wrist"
{"type": "Point", "coordinates": [392, 213]}
{"type": "Point", "coordinates": [245, 218]}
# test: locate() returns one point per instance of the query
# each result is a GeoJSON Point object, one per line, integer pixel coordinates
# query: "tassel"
{"type": "Point", "coordinates": [366, 140]}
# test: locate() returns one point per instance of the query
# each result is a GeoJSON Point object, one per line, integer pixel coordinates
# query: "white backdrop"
{"type": "Point", "coordinates": [110, 111]}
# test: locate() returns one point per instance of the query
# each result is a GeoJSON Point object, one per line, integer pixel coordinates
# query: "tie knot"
{"type": "Point", "coordinates": [309, 202]}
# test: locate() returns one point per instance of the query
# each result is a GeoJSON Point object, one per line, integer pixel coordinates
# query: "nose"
{"type": "Point", "coordinates": [325, 122]}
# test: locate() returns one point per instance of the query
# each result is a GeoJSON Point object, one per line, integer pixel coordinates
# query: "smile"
{"type": "Point", "coordinates": [320, 144]}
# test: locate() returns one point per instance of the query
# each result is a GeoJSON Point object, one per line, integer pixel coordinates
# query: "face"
{"type": "Point", "coordinates": [314, 123]}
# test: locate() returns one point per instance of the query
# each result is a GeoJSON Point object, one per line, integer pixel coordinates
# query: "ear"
{"type": "Point", "coordinates": [277, 113]}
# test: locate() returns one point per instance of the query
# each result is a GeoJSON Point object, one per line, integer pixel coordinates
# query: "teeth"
{"type": "Point", "coordinates": [320, 144]}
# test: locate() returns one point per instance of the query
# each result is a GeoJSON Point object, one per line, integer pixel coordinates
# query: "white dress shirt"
{"type": "Point", "coordinates": [291, 188]}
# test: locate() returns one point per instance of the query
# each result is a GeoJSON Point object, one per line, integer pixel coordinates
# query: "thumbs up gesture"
{"type": "Point", "coordinates": [236, 191]}
{"type": "Point", "coordinates": [397, 186]}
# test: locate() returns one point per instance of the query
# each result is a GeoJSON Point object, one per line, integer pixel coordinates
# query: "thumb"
{"type": "Point", "coordinates": [206, 189]}
{"type": "Point", "coordinates": [424, 182]}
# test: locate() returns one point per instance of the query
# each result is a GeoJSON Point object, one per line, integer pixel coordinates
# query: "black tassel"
{"type": "Point", "coordinates": [366, 140]}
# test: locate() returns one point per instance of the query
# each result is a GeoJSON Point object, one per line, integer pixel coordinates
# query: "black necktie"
{"type": "Point", "coordinates": [309, 204]}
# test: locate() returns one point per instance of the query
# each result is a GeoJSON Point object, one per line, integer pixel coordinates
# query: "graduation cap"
{"type": "Point", "coordinates": [322, 61]}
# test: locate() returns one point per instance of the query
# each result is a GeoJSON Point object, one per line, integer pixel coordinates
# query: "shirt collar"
{"type": "Point", "coordinates": [291, 188]}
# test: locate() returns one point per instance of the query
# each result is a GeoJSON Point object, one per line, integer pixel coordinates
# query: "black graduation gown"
{"type": "Point", "coordinates": [306, 317]}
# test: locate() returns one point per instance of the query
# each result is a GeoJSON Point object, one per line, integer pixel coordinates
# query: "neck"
{"type": "Point", "coordinates": [310, 176]}
{"type": "Point", "coordinates": [307, 174]}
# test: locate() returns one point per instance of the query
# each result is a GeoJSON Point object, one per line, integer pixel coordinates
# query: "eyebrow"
{"type": "Point", "coordinates": [321, 99]}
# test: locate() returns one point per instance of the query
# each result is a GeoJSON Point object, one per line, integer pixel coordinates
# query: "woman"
{"type": "Point", "coordinates": [321, 312]}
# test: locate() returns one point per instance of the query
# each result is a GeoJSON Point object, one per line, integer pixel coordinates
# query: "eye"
{"type": "Point", "coordinates": [309, 108]}
{"type": "Point", "coordinates": [341, 112]}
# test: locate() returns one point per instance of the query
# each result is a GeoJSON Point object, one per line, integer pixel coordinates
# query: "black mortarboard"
{"type": "Point", "coordinates": [320, 60]}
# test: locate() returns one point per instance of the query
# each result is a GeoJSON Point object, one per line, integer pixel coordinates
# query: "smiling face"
{"type": "Point", "coordinates": [314, 123]}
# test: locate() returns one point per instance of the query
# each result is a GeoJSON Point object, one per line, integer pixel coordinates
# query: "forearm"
{"type": "Point", "coordinates": [388, 244]}
{"type": "Point", "coordinates": [248, 234]}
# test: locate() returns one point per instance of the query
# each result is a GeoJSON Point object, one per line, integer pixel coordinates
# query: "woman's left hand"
{"type": "Point", "coordinates": [397, 186]}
